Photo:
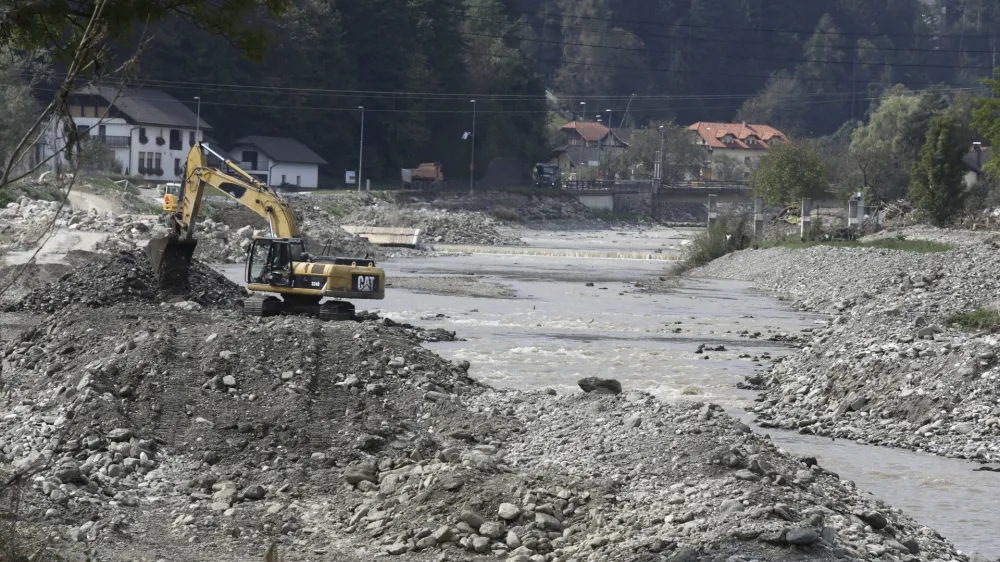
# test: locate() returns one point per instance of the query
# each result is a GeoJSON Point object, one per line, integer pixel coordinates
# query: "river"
{"type": "Point", "coordinates": [559, 329]}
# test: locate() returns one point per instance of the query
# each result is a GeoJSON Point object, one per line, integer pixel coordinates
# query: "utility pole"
{"type": "Point", "coordinates": [599, 153]}
{"type": "Point", "coordinates": [472, 161]}
{"type": "Point", "coordinates": [659, 164]}
{"type": "Point", "coordinates": [584, 113]}
{"type": "Point", "coordinates": [611, 124]}
{"type": "Point", "coordinates": [361, 150]}
{"type": "Point", "coordinates": [197, 122]}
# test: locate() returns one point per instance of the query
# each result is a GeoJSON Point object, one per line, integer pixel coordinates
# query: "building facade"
{"type": "Point", "coordinates": [149, 131]}
{"type": "Point", "coordinates": [734, 148]}
{"type": "Point", "coordinates": [278, 161]}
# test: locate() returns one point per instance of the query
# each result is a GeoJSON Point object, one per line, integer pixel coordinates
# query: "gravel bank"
{"type": "Point", "coordinates": [887, 369]}
{"type": "Point", "coordinates": [466, 286]}
{"type": "Point", "coordinates": [145, 432]}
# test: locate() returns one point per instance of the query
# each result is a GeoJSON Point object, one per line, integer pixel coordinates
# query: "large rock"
{"type": "Point", "coordinates": [802, 535]}
{"type": "Point", "coordinates": [600, 386]}
{"type": "Point", "coordinates": [508, 511]}
{"type": "Point", "coordinates": [472, 519]}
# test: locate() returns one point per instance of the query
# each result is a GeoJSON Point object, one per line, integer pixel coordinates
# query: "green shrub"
{"type": "Point", "coordinates": [980, 319]}
{"type": "Point", "coordinates": [729, 233]}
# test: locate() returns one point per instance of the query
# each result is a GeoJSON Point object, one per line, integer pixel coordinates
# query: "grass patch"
{"type": "Point", "coordinates": [45, 192]}
{"type": "Point", "coordinates": [727, 234]}
{"type": "Point", "coordinates": [901, 244]}
{"type": "Point", "coordinates": [978, 320]}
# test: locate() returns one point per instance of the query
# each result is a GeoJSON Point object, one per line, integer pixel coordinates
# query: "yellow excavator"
{"type": "Point", "coordinates": [277, 265]}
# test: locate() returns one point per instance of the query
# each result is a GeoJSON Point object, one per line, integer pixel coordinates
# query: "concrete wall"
{"type": "Point", "coordinates": [599, 202]}
{"type": "Point", "coordinates": [302, 175]}
{"type": "Point", "coordinates": [634, 203]}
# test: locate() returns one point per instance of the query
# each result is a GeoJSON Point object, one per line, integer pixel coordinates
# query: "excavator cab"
{"type": "Point", "coordinates": [272, 260]}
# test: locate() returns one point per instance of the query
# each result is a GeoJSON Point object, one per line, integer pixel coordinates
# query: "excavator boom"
{"type": "Point", "coordinates": [171, 255]}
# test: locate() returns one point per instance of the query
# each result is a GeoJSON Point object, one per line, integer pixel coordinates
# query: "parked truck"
{"type": "Point", "coordinates": [424, 175]}
{"type": "Point", "coordinates": [547, 175]}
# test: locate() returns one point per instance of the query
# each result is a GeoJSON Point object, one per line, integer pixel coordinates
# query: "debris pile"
{"type": "Point", "coordinates": [438, 227]}
{"type": "Point", "coordinates": [126, 276]}
{"type": "Point", "coordinates": [890, 368]}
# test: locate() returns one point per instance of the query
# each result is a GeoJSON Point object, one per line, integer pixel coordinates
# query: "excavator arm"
{"type": "Point", "coordinates": [170, 255]}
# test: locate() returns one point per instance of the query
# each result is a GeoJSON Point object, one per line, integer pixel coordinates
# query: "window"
{"type": "Point", "coordinates": [102, 131]}
{"type": "Point", "coordinates": [175, 139]}
{"type": "Point", "coordinates": [190, 138]}
{"type": "Point", "coordinates": [751, 140]}
{"type": "Point", "coordinates": [250, 158]}
{"type": "Point", "coordinates": [142, 135]}
{"type": "Point", "coordinates": [298, 179]}
{"type": "Point", "coordinates": [282, 179]}
{"type": "Point", "coordinates": [156, 160]}
{"type": "Point", "coordinates": [142, 162]}
{"type": "Point", "coordinates": [177, 166]}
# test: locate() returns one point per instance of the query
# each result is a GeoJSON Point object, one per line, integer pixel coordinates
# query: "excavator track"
{"type": "Point", "coordinates": [336, 311]}
{"type": "Point", "coordinates": [260, 306]}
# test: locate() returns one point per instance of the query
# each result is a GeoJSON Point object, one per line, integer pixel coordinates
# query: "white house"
{"type": "Point", "coordinates": [278, 161]}
{"type": "Point", "coordinates": [149, 130]}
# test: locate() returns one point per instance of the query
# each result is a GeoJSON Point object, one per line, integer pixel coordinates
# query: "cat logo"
{"type": "Point", "coordinates": [366, 283]}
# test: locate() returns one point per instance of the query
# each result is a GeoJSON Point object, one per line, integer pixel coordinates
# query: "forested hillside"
{"type": "Point", "coordinates": [806, 67]}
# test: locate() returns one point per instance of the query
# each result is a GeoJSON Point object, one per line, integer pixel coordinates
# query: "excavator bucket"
{"type": "Point", "coordinates": [171, 260]}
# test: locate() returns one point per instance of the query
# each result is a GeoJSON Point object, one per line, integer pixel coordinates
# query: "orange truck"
{"type": "Point", "coordinates": [425, 175]}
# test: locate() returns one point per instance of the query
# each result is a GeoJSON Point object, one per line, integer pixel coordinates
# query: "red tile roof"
{"type": "Point", "coordinates": [590, 131]}
{"type": "Point", "coordinates": [713, 133]}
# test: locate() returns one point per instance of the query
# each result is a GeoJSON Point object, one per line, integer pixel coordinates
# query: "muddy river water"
{"type": "Point", "coordinates": [559, 329]}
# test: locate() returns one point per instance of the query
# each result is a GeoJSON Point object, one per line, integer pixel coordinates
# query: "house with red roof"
{"type": "Point", "coordinates": [734, 148]}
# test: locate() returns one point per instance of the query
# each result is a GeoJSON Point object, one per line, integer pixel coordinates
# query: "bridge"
{"type": "Point", "coordinates": [665, 202]}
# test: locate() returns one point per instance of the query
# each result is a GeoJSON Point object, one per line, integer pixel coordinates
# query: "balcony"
{"type": "Point", "coordinates": [114, 141]}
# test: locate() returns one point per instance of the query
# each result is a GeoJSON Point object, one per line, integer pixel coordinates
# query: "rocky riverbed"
{"type": "Point", "coordinates": [890, 368]}
{"type": "Point", "coordinates": [182, 430]}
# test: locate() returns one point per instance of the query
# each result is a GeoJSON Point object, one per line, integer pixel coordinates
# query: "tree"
{"type": "Point", "coordinates": [880, 150]}
{"type": "Point", "coordinates": [681, 158]}
{"type": "Point", "coordinates": [937, 188]}
{"type": "Point", "coordinates": [986, 119]}
{"type": "Point", "coordinates": [58, 25]}
{"type": "Point", "coordinates": [789, 172]}
{"type": "Point", "coordinates": [18, 107]}
{"type": "Point", "coordinates": [783, 104]}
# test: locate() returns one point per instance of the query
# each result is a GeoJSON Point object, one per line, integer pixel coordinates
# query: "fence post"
{"type": "Point", "coordinates": [806, 222]}
{"type": "Point", "coordinates": [852, 214]}
{"type": "Point", "coordinates": [861, 211]}
{"type": "Point", "coordinates": [713, 209]}
{"type": "Point", "coordinates": [758, 217]}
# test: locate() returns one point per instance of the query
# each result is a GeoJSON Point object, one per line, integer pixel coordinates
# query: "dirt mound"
{"type": "Point", "coordinates": [441, 227]}
{"type": "Point", "coordinates": [127, 276]}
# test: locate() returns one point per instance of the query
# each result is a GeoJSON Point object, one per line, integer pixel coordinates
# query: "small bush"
{"type": "Point", "coordinates": [506, 214]}
{"type": "Point", "coordinates": [980, 319]}
{"type": "Point", "coordinates": [729, 233]}
{"type": "Point", "coordinates": [690, 391]}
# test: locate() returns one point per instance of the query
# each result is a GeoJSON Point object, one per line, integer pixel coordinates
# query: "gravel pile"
{"type": "Point", "coordinates": [145, 433]}
{"type": "Point", "coordinates": [888, 368]}
{"type": "Point", "coordinates": [438, 227]}
{"type": "Point", "coordinates": [126, 276]}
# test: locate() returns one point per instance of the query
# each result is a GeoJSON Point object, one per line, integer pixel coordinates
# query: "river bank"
{"type": "Point", "coordinates": [891, 368]}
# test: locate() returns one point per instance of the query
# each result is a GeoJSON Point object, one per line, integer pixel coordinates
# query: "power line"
{"type": "Point", "coordinates": [763, 30]}
{"type": "Point", "coordinates": [507, 111]}
{"type": "Point", "coordinates": [644, 35]}
{"type": "Point", "coordinates": [716, 54]}
{"type": "Point", "coordinates": [675, 71]}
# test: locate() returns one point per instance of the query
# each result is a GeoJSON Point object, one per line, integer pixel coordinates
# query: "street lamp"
{"type": "Point", "coordinates": [361, 150]}
{"type": "Point", "coordinates": [472, 159]}
{"type": "Point", "coordinates": [610, 125]}
{"type": "Point", "coordinates": [197, 122]}
{"type": "Point", "coordinates": [659, 169]}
